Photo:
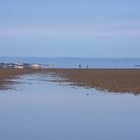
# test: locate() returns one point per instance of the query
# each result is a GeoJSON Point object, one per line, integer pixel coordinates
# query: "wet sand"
{"type": "Point", "coordinates": [112, 80]}
{"type": "Point", "coordinates": [7, 76]}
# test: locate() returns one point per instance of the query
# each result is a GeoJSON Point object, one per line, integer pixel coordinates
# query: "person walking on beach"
{"type": "Point", "coordinates": [79, 66]}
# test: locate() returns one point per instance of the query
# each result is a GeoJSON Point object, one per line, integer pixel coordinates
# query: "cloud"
{"type": "Point", "coordinates": [90, 29]}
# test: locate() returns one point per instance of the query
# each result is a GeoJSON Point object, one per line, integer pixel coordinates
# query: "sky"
{"type": "Point", "coordinates": [70, 28]}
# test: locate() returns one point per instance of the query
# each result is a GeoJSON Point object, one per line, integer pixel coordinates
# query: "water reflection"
{"type": "Point", "coordinates": [39, 109]}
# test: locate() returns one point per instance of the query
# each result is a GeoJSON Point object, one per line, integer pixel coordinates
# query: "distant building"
{"type": "Point", "coordinates": [22, 66]}
{"type": "Point", "coordinates": [9, 65]}
{"type": "Point", "coordinates": [36, 66]}
{"type": "Point", "coordinates": [18, 66]}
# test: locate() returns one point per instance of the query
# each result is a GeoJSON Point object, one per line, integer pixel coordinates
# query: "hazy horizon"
{"type": "Point", "coordinates": [71, 57]}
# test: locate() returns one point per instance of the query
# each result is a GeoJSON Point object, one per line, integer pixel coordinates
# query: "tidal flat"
{"type": "Point", "coordinates": [111, 80]}
{"type": "Point", "coordinates": [46, 104]}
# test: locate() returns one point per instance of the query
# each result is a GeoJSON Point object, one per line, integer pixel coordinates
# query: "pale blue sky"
{"type": "Point", "coordinates": [74, 28]}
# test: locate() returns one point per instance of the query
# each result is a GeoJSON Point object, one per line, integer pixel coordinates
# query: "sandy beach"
{"type": "Point", "coordinates": [112, 80]}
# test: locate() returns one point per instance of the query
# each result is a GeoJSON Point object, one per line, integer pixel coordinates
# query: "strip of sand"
{"type": "Point", "coordinates": [112, 80]}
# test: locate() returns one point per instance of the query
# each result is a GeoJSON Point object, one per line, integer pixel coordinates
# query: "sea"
{"type": "Point", "coordinates": [67, 62]}
{"type": "Point", "coordinates": [36, 108]}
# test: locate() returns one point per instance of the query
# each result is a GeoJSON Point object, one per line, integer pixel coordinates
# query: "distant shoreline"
{"type": "Point", "coordinates": [111, 79]}
{"type": "Point", "coordinates": [73, 62]}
